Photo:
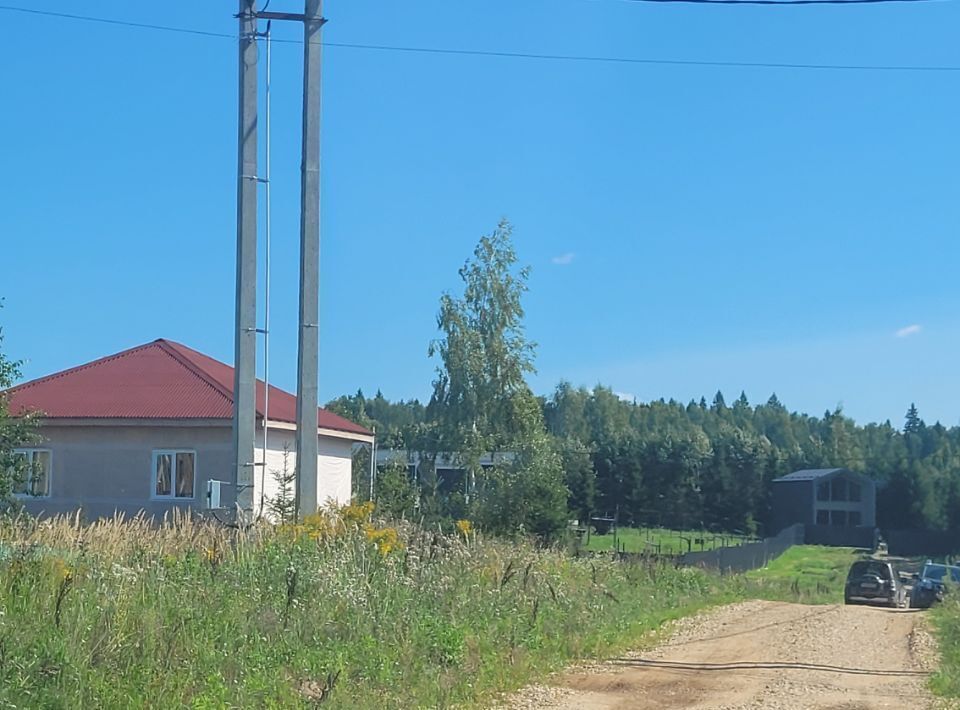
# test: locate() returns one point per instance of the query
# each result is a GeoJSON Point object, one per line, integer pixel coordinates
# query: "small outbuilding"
{"type": "Point", "coordinates": [836, 497]}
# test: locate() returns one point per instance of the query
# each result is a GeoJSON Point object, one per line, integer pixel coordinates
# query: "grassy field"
{"type": "Point", "coordinates": [659, 540]}
{"type": "Point", "coordinates": [358, 615]}
{"type": "Point", "coordinates": [805, 573]}
{"type": "Point", "coordinates": [341, 610]}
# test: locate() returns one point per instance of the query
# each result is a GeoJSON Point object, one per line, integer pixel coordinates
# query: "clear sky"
{"type": "Point", "coordinates": [689, 227]}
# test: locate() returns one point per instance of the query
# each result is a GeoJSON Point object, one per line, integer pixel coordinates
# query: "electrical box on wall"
{"type": "Point", "coordinates": [213, 494]}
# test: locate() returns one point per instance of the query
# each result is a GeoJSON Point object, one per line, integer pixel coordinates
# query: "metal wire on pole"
{"type": "Point", "coordinates": [266, 285]}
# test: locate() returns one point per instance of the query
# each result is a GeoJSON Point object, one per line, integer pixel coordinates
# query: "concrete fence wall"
{"type": "Point", "coordinates": [757, 554]}
{"type": "Point", "coordinates": [835, 536]}
{"type": "Point", "coordinates": [930, 543]}
{"type": "Point", "coordinates": [903, 543]}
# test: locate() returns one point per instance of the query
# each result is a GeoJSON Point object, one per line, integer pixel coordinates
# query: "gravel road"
{"type": "Point", "coordinates": [761, 655]}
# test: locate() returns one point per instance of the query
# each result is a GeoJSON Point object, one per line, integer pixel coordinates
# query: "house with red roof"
{"type": "Point", "coordinates": [147, 428]}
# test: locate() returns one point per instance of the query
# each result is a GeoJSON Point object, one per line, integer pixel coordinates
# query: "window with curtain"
{"type": "Point", "coordinates": [174, 472]}
{"type": "Point", "coordinates": [33, 469]}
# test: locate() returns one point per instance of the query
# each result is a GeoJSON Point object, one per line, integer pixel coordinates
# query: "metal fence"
{"type": "Point", "coordinates": [752, 555]}
{"type": "Point", "coordinates": [928, 543]}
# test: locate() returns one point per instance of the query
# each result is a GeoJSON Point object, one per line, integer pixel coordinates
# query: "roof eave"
{"type": "Point", "coordinates": [194, 422]}
{"type": "Point", "coordinates": [47, 420]}
{"type": "Point", "coordinates": [366, 438]}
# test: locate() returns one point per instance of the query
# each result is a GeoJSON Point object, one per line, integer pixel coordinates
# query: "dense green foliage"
{"type": "Point", "coordinates": [14, 432]}
{"type": "Point", "coordinates": [398, 424]}
{"type": "Point", "coordinates": [125, 615]}
{"type": "Point", "coordinates": [664, 463]}
{"type": "Point", "coordinates": [946, 623]}
{"type": "Point", "coordinates": [481, 406]}
{"type": "Point", "coordinates": [701, 465]}
{"type": "Point", "coordinates": [478, 396]}
{"type": "Point", "coordinates": [481, 402]}
{"type": "Point", "coordinates": [396, 492]}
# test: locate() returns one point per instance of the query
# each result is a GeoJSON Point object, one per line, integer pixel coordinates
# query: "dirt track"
{"type": "Point", "coordinates": [756, 655]}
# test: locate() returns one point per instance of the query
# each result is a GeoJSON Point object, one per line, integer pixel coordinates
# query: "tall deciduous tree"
{"type": "Point", "coordinates": [484, 353]}
{"type": "Point", "coordinates": [481, 402]}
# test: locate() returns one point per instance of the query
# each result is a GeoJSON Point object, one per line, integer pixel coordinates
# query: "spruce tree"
{"type": "Point", "coordinates": [913, 422]}
{"type": "Point", "coordinates": [719, 404]}
{"type": "Point", "coordinates": [283, 506]}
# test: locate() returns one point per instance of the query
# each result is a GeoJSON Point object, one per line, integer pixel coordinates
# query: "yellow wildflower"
{"type": "Point", "coordinates": [357, 512]}
{"type": "Point", "coordinates": [386, 540]}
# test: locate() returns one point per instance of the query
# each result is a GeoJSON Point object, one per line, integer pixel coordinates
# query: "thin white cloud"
{"type": "Point", "coordinates": [625, 396]}
{"type": "Point", "coordinates": [909, 330]}
{"type": "Point", "coordinates": [563, 259]}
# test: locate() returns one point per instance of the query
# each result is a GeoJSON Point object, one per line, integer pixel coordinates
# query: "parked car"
{"type": "Point", "coordinates": [929, 586]}
{"type": "Point", "coordinates": [874, 581]}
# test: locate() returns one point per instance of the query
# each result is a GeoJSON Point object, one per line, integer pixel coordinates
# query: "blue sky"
{"type": "Point", "coordinates": [689, 228]}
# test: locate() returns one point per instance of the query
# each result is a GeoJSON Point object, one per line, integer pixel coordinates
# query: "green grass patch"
{"type": "Point", "coordinates": [660, 541]}
{"type": "Point", "coordinates": [340, 611]}
{"type": "Point", "coordinates": [810, 574]}
{"type": "Point", "coordinates": [945, 619]}
{"type": "Point", "coordinates": [946, 624]}
{"type": "Point", "coordinates": [356, 615]}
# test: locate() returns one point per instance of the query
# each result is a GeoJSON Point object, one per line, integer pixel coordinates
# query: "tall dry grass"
{"type": "Point", "coordinates": [341, 611]}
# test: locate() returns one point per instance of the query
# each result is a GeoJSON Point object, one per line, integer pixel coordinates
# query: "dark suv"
{"type": "Point", "coordinates": [928, 586]}
{"type": "Point", "coordinates": [874, 581]}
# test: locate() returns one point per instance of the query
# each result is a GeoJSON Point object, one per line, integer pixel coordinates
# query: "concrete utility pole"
{"type": "Point", "coordinates": [308, 347]}
{"type": "Point", "coordinates": [245, 337]}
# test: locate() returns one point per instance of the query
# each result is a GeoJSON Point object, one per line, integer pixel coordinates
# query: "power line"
{"type": "Point", "coordinates": [668, 62]}
{"type": "Point", "coordinates": [122, 23]}
{"type": "Point", "coordinates": [782, 2]}
{"type": "Point", "coordinates": [554, 57]}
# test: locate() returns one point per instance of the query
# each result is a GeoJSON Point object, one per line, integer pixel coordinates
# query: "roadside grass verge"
{"type": "Point", "coordinates": [809, 574]}
{"type": "Point", "coordinates": [945, 620]}
{"type": "Point", "coordinates": [340, 610]}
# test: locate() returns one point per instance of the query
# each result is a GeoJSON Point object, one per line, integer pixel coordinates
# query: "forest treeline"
{"type": "Point", "coordinates": [708, 463]}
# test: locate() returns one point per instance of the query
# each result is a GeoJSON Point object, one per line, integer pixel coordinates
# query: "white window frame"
{"type": "Point", "coordinates": [173, 481]}
{"type": "Point", "coordinates": [30, 453]}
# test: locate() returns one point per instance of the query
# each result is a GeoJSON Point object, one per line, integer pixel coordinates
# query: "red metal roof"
{"type": "Point", "coordinates": [159, 380]}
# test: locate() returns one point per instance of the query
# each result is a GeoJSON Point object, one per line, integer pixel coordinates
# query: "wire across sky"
{"type": "Point", "coordinates": [558, 57]}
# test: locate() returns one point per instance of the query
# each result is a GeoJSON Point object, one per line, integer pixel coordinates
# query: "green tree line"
{"type": "Point", "coordinates": [581, 453]}
{"type": "Point", "coordinates": [710, 464]}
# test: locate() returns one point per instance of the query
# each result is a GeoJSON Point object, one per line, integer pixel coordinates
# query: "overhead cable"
{"type": "Point", "coordinates": [556, 57]}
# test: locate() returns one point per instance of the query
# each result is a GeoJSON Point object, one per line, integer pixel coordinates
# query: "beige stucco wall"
{"type": "Point", "coordinates": [335, 464]}
{"type": "Point", "coordinates": [108, 469]}
{"type": "Point", "coordinates": [333, 467]}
